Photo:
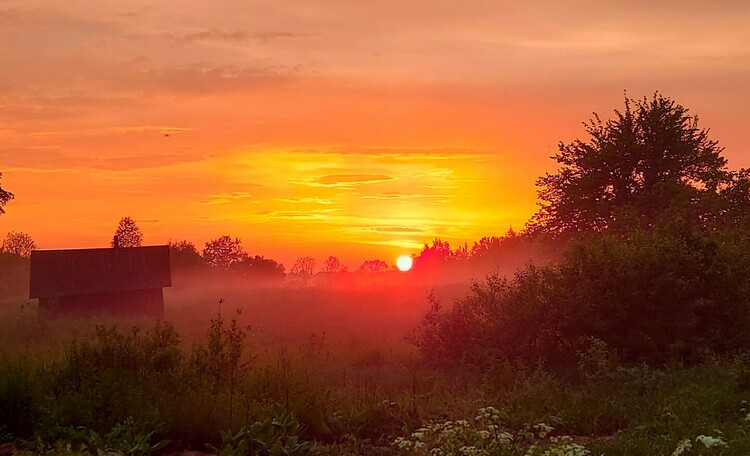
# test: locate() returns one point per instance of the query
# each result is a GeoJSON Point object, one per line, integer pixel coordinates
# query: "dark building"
{"type": "Point", "coordinates": [124, 281]}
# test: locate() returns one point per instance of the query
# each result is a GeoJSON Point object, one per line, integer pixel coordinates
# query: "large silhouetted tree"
{"type": "Point", "coordinates": [223, 252]}
{"type": "Point", "coordinates": [5, 196]}
{"type": "Point", "coordinates": [127, 234]}
{"type": "Point", "coordinates": [18, 243]}
{"type": "Point", "coordinates": [630, 169]}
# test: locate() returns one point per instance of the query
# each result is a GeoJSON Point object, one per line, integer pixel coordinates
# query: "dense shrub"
{"type": "Point", "coordinates": [670, 294]}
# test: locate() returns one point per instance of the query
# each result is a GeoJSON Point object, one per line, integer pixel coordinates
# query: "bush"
{"type": "Point", "coordinates": [671, 294]}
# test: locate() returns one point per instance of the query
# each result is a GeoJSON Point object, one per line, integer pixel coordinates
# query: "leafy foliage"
{"type": "Point", "coordinates": [333, 265]}
{"type": "Point", "coordinates": [439, 253]}
{"type": "Point", "coordinates": [224, 252]}
{"type": "Point", "coordinates": [276, 435]}
{"type": "Point", "coordinates": [632, 169]}
{"type": "Point", "coordinates": [258, 267]}
{"type": "Point", "coordinates": [184, 255]}
{"type": "Point", "coordinates": [373, 266]}
{"type": "Point", "coordinates": [673, 294]}
{"type": "Point", "coordinates": [304, 267]}
{"type": "Point", "coordinates": [127, 234]}
{"type": "Point", "coordinates": [5, 196]}
{"type": "Point", "coordinates": [18, 243]}
{"type": "Point", "coordinates": [125, 438]}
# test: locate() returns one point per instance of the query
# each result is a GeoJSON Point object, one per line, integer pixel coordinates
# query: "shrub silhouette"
{"type": "Point", "coordinates": [673, 294]}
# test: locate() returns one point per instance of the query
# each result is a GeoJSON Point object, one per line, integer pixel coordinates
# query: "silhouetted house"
{"type": "Point", "coordinates": [118, 280]}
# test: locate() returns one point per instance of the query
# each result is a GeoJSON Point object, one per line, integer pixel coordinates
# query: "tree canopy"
{"type": "Point", "coordinates": [18, 243]}
{"type": "Point", "coordinates": [373, 266]}
{"type": "Point", "coordinates": [333, 265]}
{"type": "Point", "coordinates": [224, 252]}
{"type": "Point", "coordinates": [258, 267]}
{"type": "Point", "coordinates": [183, 254]}
{"type": "Point", "coordinates": [5, 196]}
{"type": "Point", "coordinates": [632, 167]}
{"type": "Point", "coordinates": [304, 267]}
{"type": "Point", "coordinates": [127, 234]}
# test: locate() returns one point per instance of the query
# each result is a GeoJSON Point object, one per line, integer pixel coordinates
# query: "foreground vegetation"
{"type": "Point", "coordinates": [138, 391]}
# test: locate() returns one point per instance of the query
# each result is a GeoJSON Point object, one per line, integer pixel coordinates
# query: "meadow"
{"type": "Point", "coordinates": [323, 368]}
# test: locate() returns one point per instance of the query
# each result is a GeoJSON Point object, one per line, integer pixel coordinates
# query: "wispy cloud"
{"type": "Point", "coordinates": [54, 157]}
{"type": "Point", "coordinates": [393, 229]}
{"type": "Point", "coordinates": [346, 180]}
{"type": "Point", "coordinates": [315, 214]}
{"type": "Point", "coordinates": [406, 195]}
{"type": "Point", "coordinates": [309, 200]}
{"type": "Point", "coordinates": [222, 198]}
{"type": "Point", "coordinates": [234, 37]}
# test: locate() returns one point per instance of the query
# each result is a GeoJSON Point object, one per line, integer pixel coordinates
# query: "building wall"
{"type": "Point", "coordinates": [148, 302]}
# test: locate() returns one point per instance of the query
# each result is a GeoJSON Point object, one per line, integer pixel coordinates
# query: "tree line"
{"type": "Point", "coordinates": [226, 253]}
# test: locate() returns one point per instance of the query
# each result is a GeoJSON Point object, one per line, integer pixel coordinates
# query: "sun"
{"type": "Point", "coordinates": [404, 263]}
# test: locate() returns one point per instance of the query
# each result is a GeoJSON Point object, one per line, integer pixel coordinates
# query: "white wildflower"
{"type": "Point", "coordinates": [560, 446]}
{"type": "Point", "coordinates": [488, 413]}
{"type": "Point", "coordinates": [543, 430]}
{"type": "Point", "coordinates": [682, 447]}
{"type": "Point", "coordinates": [711, 442]}
{"type": "Point", "coordinates": [404, 444]}
{"type": "Point", "coordinates": [467, 450]}
{"type": "Point", "coordinates": [505, 437]}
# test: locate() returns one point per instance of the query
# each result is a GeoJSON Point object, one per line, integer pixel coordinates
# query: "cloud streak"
{"type": "Point", "coordinates": [346, 180]}
{"type": "Point", "coordinates": [235, 37]}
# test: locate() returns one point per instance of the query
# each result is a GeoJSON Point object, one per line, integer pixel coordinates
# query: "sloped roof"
{"type": "Point", "coordinates": [56, 273]}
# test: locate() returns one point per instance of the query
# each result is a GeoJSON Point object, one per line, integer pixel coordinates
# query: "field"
{"type": "Point", "coordinates": [330, 368]}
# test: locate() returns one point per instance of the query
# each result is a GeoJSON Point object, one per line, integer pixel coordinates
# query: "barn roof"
{"type": "Point", "coordinates": [56, 273]}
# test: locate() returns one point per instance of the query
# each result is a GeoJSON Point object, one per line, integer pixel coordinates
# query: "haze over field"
{"type": "Point", "coordinates": [331, 128]}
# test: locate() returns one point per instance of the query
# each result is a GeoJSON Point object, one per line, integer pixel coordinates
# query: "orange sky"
{"type": "Point", "coordinates": [359, 129]}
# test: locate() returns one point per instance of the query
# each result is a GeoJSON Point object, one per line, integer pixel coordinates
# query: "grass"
{"type": "Point", "coordinates": [333, 364]}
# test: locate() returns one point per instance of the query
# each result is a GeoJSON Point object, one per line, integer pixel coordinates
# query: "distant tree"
{"type": "Point", "coordinates": [127, 234]}
{"type": "Point", "coordinates": [484, 246]}
{"type": "Point", "coordinates": [223, 252]}
{"type": "Point", "coordinates": [183, 254]}
{"type": "Point", "coordinates": [439, 253]}
{"type": "Point", "coordinates": [373, 266]}
{"type": "Point", "coordinates": [259, 267]}
{"type": "Point", "coordinates": [333, 264]}
{"type": "Point", "coordinates": [487, 245]}
{"type": "Point", "coordinates": [18, 243]}
{"type": "Point", "coordinates": [304, 266]}
{"type": "Point", "coordinates": [631, 169]}
{"type": "Point", "coordinates": [5, 196]}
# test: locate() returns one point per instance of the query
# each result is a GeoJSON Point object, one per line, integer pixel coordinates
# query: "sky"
{"type": "Point", "coordinates": [360, 129]}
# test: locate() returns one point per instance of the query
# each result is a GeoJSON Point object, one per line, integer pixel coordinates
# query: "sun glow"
{"type": "Point", "coordinates": [404, 263]}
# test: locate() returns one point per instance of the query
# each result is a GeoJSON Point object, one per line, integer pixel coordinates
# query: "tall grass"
{"type": "Point", "coordinates": [340, 374]}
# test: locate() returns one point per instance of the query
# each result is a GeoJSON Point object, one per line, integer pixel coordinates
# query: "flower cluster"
{"type": "Point", "coordinates": [707, 441]}
{"type": "Point", "coordinates": [559, 446]}
{"type": "Point", "coordinates": [485, 436]}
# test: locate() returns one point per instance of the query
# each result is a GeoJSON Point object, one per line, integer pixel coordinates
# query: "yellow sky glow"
{"type": "Point", "coordinates": [331, 128]}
